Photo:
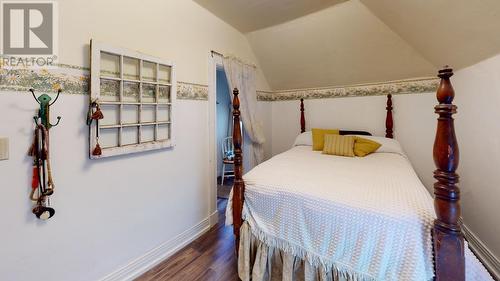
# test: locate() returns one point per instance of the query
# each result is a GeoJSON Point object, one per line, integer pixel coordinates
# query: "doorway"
{"type": "Point", "coordinates": [223, 142]}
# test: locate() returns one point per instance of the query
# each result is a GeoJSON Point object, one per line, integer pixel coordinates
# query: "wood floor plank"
{"type": "Point", "coordinates": [211, 257]}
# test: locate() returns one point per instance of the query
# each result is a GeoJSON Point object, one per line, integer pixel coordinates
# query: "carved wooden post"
{"type": "Point", "coordinates": [448, 239]}
{"type": "Point", "coordinates": [302, 117]}
{"type": "Point", "coordinates": [239, 185]}
{"type": "Point", "coordinates": [388, 119]}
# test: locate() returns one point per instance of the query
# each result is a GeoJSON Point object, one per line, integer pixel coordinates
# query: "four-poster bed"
{"type": "Point", "coordinates": [447, 239]}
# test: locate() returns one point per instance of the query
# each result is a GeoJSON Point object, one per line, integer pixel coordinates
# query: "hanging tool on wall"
{"type": "Point", "coordinates": [95, 113]}
{"type": "Point", "coordinates": [42, 184]}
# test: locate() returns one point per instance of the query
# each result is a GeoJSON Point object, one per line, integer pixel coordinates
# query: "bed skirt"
{"type": "Point", "coordinates": [262, 258]}
{"type": "Point", "coordinates": [258, 261]}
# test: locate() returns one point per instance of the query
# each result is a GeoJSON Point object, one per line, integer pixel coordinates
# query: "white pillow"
{"type": "Point", "coordinates": [387, 145]}
{"type": "Point", "coordinates": [304, 139]}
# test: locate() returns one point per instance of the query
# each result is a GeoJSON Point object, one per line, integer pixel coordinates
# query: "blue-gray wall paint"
{"type": "Point", "coordinates": [223, 111]}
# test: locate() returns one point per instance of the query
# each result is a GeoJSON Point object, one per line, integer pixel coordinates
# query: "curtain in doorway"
{"type": "Point", "coordinates": [243, 76]}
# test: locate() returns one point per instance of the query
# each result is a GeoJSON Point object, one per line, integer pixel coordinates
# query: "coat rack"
{"type": "Point", "coordinates": [42, 184]}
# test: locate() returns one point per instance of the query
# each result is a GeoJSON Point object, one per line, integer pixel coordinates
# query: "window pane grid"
{"type": "Point", "coordinates": [135, 95]}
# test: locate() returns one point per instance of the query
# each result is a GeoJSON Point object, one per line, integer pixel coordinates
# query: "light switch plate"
{"type": "Point", "coordinates": [4, 148]}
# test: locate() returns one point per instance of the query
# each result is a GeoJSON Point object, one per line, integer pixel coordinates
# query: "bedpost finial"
{"type": "Point", "coordinates": [445, 93]}
{"type": "Point", "coordinates": [389, 123]}
{"type": "Point", "coordinates": [302, 117]}
{"type": "Point", "coordinates": [445, 72]}
{"type": "Point", "coordinates": [236, 102]}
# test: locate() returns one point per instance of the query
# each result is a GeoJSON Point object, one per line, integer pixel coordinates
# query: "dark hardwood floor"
{"type": "Point", "coordinates": [210, 257]}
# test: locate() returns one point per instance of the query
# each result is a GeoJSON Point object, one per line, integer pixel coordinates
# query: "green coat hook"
{"type": "Point", "coordinates": [43, 112]}
{"type": "Point", "coordinates": [42, 183]}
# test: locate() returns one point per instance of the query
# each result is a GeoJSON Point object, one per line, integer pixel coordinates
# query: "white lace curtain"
{"type": "Point", "coordinates": [243, 77]}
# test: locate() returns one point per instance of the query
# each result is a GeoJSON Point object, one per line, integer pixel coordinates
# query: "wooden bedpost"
{"type": "Point", "coordinates": [388, 119]}
{"type": "Point", "coordinates": [447, 235]}
{"type": "Point", "coordinates": [302, 117]}
{"type": "Point", "coordinates": [239, 185]}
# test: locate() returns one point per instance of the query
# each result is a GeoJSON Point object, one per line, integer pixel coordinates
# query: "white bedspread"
{"type": "Point", "coordinates": [368, 216]}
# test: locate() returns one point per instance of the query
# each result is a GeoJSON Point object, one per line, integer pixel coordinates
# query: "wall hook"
{"type": "Point", "coordinates": [42, 186]}
{"type": "Point", "coordinates": [45, 103]}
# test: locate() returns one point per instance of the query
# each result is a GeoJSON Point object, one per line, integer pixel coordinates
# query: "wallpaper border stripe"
{"type": "Point", "coordinates": [75, 80]}
{"type": "Point", "coordinates": [398, 87]}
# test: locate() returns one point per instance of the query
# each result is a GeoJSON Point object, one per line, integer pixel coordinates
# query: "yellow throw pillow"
{"type": "Point", "coordinates": [363, 147]}
{"type": "Point", "coordinates": [339, 145]}
{"type": "Point", "coordinates": [318, 136]}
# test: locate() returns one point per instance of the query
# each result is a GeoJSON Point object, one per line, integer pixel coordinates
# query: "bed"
{"type": "Point", "coordinates": [303, 215]}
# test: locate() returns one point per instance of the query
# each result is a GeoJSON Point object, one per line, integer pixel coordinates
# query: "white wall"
{"type": "Point", "coordinates": [108, 212]}
{"type": "Point", "coordinates": [265, 113]}
{"type": "Point", "coordinates": [477, 88]}
{"type": "Point", "coordinates": [111, 211]}
{"type": "Point", "coordinates": [478, 134]}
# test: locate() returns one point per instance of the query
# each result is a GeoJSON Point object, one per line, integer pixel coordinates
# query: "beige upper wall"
{"type": "Point", "coordinates": [180, 31]}
{"type": "Point", "coordinates": [454, 32]}
{"type": "Point", "coordinates": [344, 44]}
{"type": "Point", "coordinates": [361, 41]}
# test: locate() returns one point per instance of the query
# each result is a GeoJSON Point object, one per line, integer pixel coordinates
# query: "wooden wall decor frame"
{"type": "Point", "coordinates": [448, 241]}
{"type": "Point", "coordinates": [140, 110]}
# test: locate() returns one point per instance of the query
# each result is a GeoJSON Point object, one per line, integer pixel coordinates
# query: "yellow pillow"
{"type": "Point", "coordinates": [339, 145]}
{"type": "Point", "coordinates": [318, 136]}
{"type": "Point", "coordinates": [363, 147]}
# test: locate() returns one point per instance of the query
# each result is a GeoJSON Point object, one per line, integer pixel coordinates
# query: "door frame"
{"type": "Point", "coordinates": [213, 64]}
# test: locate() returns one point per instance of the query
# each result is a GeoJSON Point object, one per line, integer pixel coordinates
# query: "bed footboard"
{"type": "Point", "coordinates": [447, 235]}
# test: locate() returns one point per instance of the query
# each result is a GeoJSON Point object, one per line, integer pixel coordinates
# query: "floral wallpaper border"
{"type": "Point", "coordinates": [409, 86]}
{"type": "Point", "coordinates": [75, 80]}
{"type": "Point", "coordinates": [191, 91]}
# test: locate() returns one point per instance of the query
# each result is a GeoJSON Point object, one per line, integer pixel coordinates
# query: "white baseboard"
{"type": "Point", "coordinates": [490, 261]}
{"type": "Point", "coordinates": [142, 264]}
{"type": "Point", "coordinates": [213, 218]}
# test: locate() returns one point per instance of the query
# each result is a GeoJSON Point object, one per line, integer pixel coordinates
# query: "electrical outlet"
{"type": "Point", "coordinates": [4, 148]}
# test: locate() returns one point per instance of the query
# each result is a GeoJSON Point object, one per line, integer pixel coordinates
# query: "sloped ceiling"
{"type": "Point", "coordinates": [361, 41]}
{"type": "Point", "coordinates": [344, 44]}
{"type": "Point", "coordinates": [455, 32]}
{"type": "Point", "coordinates": [250, 15]}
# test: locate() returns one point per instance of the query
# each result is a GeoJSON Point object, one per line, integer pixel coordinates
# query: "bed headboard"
{"type": "Point", "coordinates": [388, 121]}
{"type": "Point", "coordinates": [348, 132]}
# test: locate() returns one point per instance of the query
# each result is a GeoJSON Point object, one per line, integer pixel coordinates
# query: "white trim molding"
{"type": "Point", "coordinates": [214, 218]}
{"type": "Point", "coordinates": [145, 262]}
{"type": "Point", "coordinates": [489, 260]}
